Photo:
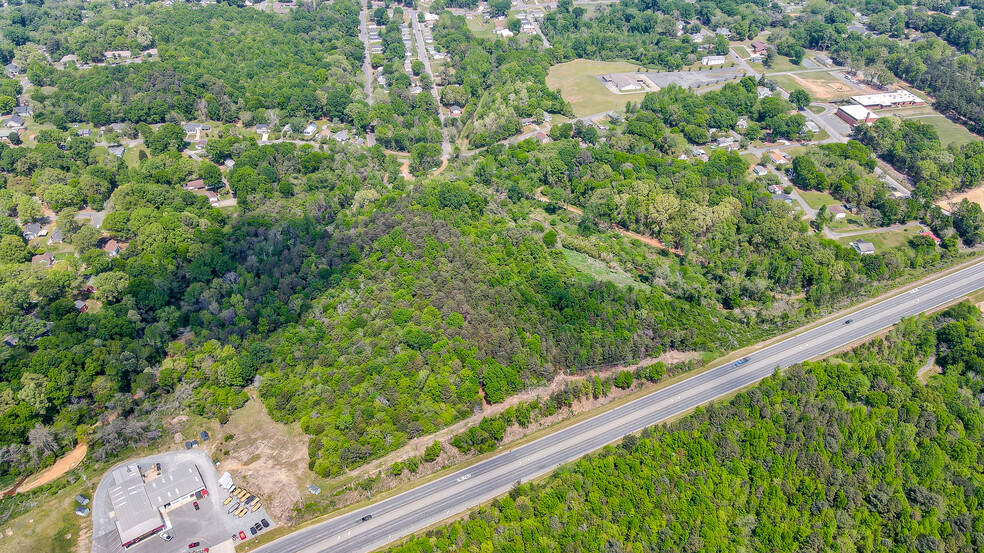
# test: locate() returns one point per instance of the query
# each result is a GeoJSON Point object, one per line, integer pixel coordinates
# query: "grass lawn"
{"type": "Point", "coordinates": [949, 131]}
{"type": "Point", "coordinates": [741, 51]}
{"type": "Point", "coordinates": [50, 526]}
{"type": "Point", "coordinates": [480, 28]}
{"type": "Point", "coordinates": [780, 64]}
{"type": "Point", "coordinates": [884, 240]}
{"type": "Point", "coordinates": [591, 269]}
{"type": "Point", "coordinates": [578, 83]}
{"type": "Point", "coordinates": [816, 199]}
{"type": "Point", "coordinates": [816, 109]}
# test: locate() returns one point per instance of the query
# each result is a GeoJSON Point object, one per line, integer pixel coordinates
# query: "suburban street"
{"type": "Point", "coordinates": [425, 58]}
{"type": "Point", "coordinates": [438, 500]}
{"type": "Point", "coordinates": [366, 66]}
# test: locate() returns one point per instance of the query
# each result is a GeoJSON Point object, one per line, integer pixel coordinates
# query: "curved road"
{"type": "Point", "coordinates": [435, 501]}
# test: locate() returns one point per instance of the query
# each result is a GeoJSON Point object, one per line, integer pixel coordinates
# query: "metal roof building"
{"type": "Point", "coordinates": [136, 517]}
{"type": "Point", "coordinates": [137, 504]}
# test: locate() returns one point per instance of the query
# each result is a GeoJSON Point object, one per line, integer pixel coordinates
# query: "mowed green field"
{"type": "Point", "coordinates": [578, 83]}
{"type": "Point", "coordinates": [949, 131]}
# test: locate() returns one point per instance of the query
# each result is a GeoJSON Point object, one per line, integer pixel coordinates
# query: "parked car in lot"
{"type": "Point", "coordinates": [252, 530]}
{"type": "Point", "coordinates": [242, 535]}
{"type": "Point", "coordinates": [193, 544]}
{"type": "Point", "coordinates": [264, 522]}
{"type": "Point", "coordinates": [197, 508]}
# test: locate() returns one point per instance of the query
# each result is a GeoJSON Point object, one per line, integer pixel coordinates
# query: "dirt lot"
{"type": "Point", "coordinates": [976, 195]}
{"type": "Point", "coordinates": [266, 457]}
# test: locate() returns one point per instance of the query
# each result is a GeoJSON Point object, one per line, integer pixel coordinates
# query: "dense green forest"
{"type": "Point", "coordinates": [852, 453]}
{"type": "Point", "coordinates": [305, 64]}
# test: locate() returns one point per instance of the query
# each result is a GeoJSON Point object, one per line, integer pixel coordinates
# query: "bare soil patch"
{"type": "Point", "coordinates": [59, 469]}
{"type": "Point", "coordinates": [975, 195]}
{"type": "Point", "coordinates": [264, 456]}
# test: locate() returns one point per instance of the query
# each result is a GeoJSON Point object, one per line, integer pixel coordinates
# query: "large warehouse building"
{"type": "Point", "coordinates": [886, 100]}
{"type": "Point", "coordinates": [139, 504]}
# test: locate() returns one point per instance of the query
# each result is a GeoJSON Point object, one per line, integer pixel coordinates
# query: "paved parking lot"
{"type": "Point", "coordinates": [211, 525]}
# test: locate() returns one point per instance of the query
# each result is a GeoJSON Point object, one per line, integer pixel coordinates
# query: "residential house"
{"type": "Point", "coordinates": [742, 124]}
{"type": "Point", "coordinates": [5, 134]}
{"type": "Point", "coordinates": [783, 197]}
{"type": "Point", "coordinates": [775, 189]}
{"type": "Point", "coordinates": [314, 489]}
{"type": "Point", "coordinates": [81, 306]}
{"type": "Point", "coordinates": [763, 92]}
{"type": "Point", "coordinates": [14, 122]}
{"type": "Point", "coordinates": [415, 90]}
{"type": "Point", "coordinates": [455, 111]}
{"type": "Point", "coordinates": [112, 248]}
{"type": "Point", "coordinates": [310, 129]}
{"type": "Point", "coordinates": [341, 136]}
{"type": "Point", "coordinates": [82, 511]}
{"type": "Point", "coordinates": [83, 132]}
{"type": "Point", "coordinates": [779, 158]}
{"type": "Point", "coordinates": [24, 111]}
{"type": "Point", "coordinates": [12, 70]}
{"type": "Point", "coordinates": [117, 150]}
{"type": "Point", "coordinates": [55, 237]}
{"type": "Point", "coordinates": [838, 212]}
{"type": "Point", "coordinates": [760, 171]}
{"type": "Point", "coordinates": [812, 127]}
{"type": "Point", "coordinates": [195, 185]}
{"type": "Point", "coordinates": [116, 127]}
{"type": "Point", "coordinates": [67, 58]}
{"type": "Point", "coordinates": [32, 231]}
{"type": "Point", "coordinates": [863, 247]}
{"type": "Point", "coordinates": [723, 31]}
{"type": "Point", "coordinates": [823, 60]}
{"type": "Point", "coordinates": [700, 36]}
{"type": "Point", "coordinates": [542, 137]}
{"type": "Point", "coordinates": [229, 163]}
{"type": "Point", "coordinates": [929, 234]}
{"type": "Point", "coordinates": [759, 47]}
{"type": "Point", "coordinates": [263, 128]}
{"type": "Point", "coordinates": [45, 260]}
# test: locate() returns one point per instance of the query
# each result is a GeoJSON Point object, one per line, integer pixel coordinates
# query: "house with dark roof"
{"type": "Point", "coordinates": [55, 237]}
{"type": "Point", "coordinates": [32, 231]}
{"type": "Point", "coordinates": [24, 111]}
{"type": "Point", "coordinates": [15, 122]}
{"type": "Point", "coordinates": [45, 260]}
{"type": "Point", "coordinates": [117, 150]}
{"type": "Point", "coordinates": [759, 47]}
{"type": "Point", "coordinates": [12, 70]}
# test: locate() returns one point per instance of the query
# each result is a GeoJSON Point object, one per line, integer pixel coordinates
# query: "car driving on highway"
{"type": "Point", "coordinates": [741, 361]}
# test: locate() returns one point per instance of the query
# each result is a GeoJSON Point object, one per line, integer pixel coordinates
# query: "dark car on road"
{"type": "Point", "coordinates": [367, 517]}
{"type": "Point", "coordinates": [193, 544]}
{"type": "Point", "coordinates": [741, 361]}
{"type": "Point", "coordinates": [849, 321]}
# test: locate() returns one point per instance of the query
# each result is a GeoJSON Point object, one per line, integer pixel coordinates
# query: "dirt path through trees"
{"type": "Point", "coordinates": [60, 468]}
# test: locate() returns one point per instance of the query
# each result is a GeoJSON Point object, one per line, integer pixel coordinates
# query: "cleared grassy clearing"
{"type": "Point", "coordinates": [578, 83]}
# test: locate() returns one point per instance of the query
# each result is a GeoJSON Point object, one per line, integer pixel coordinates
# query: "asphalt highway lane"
{"type": "Point", "coordinates": [435, 501]}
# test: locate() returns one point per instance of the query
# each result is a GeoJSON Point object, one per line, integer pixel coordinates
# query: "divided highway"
{"type": "Point", "coordinates": [430, 503]}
